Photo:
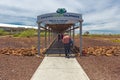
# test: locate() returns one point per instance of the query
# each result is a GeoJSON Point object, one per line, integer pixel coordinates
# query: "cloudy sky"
{"type": "Point", "coordinates": [97, 14]}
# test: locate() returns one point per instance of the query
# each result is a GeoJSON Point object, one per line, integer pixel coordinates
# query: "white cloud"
{"type": "Point", "coordinates": [104, 19]}
{"type": "Point", "coordinates": [97, 14]}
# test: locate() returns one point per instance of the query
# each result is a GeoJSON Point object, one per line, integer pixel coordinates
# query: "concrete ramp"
{"type": "Point", "coordinates": [59, 68]}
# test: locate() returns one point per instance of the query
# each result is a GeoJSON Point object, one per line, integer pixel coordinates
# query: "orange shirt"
{"type": "Point", "coordinates": [66, 39]}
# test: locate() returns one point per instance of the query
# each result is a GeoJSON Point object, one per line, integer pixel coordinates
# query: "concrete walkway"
{"type": "Point", "coordinates": [59, 68]}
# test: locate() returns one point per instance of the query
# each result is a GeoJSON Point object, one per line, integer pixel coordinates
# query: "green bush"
{"type": "Point", "coordinates": [29, 33]}
{"type": "Point", "coordinates": [42, 34]}
{"type": "Point", "coordinates": [116, 41]}
{"type": "Point", "coordinates": [2, 32]}
{"type": "Point", "coordinates": [16, 35]}
{"type": "Point", "coordinates": [26, 33]}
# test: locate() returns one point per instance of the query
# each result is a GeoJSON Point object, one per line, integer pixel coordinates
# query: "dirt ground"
{"type": "Point", "coordinates": [100, 67]}
{"type": "Point", "coordinates": [20, 42]}
{"type": "Point", "coordinates": [91, 42]}
{"type": "Point", "coordinates": [23, 67]}
{"type": "Point", "coordinates": [18, 67]}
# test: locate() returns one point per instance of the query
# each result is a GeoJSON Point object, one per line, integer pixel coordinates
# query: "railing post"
{"type": "Point", "coordinates": [45, 37]}
{"type": "Point", "coordinates": [73, 35]}
{"type": "Point", "coordinates": [70, 31]}
{"type": "Point", "coordinates": [39, 38]}
{"type": "Point", "coordinates": [80, 29]}
{"type": "Point", "coordinates": [49, 35]}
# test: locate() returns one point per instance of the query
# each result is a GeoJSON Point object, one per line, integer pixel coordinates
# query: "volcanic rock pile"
{"type": "Point", "coordinates": [21, 51]}
{"type": "Point", "coordinates": [98, 50]}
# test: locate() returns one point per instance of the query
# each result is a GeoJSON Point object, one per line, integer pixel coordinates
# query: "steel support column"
{"type": "Point", "coordinates": [80, 29]}
{"type": "Point", "coordinates": [45, 38]}
{"type": "Point", "coordinates": [70, 31]}
{"type": "Point", "coordinates": [39, 38]}
{"type": "Point", "coordinates": [73, 34]}
{"type": "Point", "coordinates": [49, 35]}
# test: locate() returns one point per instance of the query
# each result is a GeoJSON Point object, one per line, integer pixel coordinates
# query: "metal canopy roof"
{"type": "Point", "coordinates": [59, 28]}
{"type": "Point", "coordinates": [59, 22]}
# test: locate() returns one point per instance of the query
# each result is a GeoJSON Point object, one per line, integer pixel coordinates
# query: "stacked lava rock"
{"type": "Point", "coordinates": [108, 51]}
{"type": "Point", "coordinates": [20, 51]}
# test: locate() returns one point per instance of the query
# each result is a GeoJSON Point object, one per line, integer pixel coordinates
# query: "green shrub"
{"type": "Point", "coordinates": [116, 41]}
{"type": "Point", "coordinates": [16, 35]}
{"type": "Point", "coordinates": [26, 33]}
{"type": "Point", "coordinates": [29, 33]}
{"type": "Point", "coordinates": [42, 34]}
{"type": "Point", "coordinates": [2, 32]}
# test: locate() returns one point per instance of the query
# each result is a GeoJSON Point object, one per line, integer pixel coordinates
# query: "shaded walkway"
{"type": "Point", "coordinates": [56, 48]}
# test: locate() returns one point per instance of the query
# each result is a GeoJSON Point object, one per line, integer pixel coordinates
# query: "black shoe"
{"type": "Point", "coordinates": [68, 56]}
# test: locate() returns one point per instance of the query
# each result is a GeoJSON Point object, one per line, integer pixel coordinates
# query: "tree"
{"type": "Point", "coordinates": [86, 33]}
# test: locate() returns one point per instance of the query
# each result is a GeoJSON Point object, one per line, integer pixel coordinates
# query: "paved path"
{"type": "Point", "coordinates": [56, 48]}
{"type": "Point", "coordinates": [59, 68]}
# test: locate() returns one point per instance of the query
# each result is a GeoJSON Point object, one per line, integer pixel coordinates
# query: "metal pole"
{"type": "Point", "coordinates": [52, 34]}
{"type": "Point", "coordinates": [70, 31]}
{"type": "Point", "coordinates": [73, 34]}
{"type": "Point", "coordinates": [38, 38]}
{"type": "Point", "coordinates": [49, 36]}
{"type": "Point", "coordinates": [45, 38]}
{"type": "Point", "coordinates": [80, 37]}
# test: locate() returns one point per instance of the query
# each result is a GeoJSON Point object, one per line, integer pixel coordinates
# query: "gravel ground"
{"type": "Point", "coordinates": [23, 67]}
{"type": "Point", "coordinates": [100, 67]}
{"type": "Point", "coordinates": [91, 42]}
{"type": "Point", "coordinates": [18, 67]}
{"type": "Point", "coordinates": [20, 42]}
